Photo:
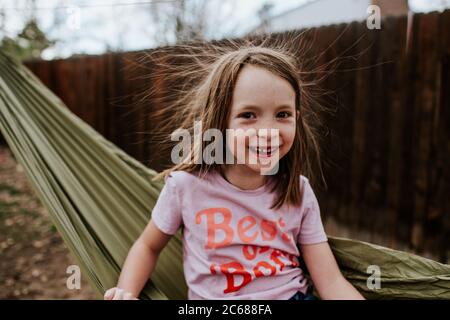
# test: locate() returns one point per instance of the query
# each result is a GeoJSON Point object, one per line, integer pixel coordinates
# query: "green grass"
{"type": "Point", "coordinates": [10, 189]}
{"type": "Point", "coordinates": [6, 206]}
{"type": "Point", "coordinates": [31, 213]}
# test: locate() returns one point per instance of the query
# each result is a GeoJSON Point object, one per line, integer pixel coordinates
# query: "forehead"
{"type": "Point", "coordinates": [258, 86]}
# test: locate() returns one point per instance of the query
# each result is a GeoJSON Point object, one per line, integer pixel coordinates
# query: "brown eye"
{"type": "Point", "coordinates": [284, 114]}
{"type": "Point", "coordinates": [247, 115]}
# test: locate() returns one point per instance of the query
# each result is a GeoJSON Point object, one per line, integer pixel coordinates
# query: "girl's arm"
{"type": "Point", "coordinates": [139, 264]}
{"type": "Point", "coordinates": [325, 273]}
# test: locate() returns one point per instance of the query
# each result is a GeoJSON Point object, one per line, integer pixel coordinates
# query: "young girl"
{"type": "Point", "coordinates": [243, 231]}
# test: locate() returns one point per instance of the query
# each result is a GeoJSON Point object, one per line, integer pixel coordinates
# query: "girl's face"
{"type": "Point", "coordinates": [262, 100]}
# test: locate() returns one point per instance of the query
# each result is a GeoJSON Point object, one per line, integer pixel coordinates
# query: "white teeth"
{"type": "Point", "coordinates": [264, 150]}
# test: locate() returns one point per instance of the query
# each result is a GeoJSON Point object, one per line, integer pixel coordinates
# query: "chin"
{"type": "Point", "coordinates": [254, 168]}
{"type": "Point", "coordinates": [259, 169]}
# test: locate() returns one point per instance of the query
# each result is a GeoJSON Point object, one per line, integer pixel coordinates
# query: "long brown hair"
{"type": "Point", "coordinates": [207, 97]}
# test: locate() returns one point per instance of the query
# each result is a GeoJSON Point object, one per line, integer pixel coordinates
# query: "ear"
{"type": "Point", "coordinates": [297, 113]}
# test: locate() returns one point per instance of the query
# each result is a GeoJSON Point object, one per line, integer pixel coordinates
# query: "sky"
{"type": "Point", "coordinates": [92, 27]}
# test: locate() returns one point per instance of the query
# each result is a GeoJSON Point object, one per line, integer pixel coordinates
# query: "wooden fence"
{"type": "Point", "coordinates": [388, 149]}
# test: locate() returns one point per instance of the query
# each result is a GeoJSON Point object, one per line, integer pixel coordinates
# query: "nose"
{"type": "Point", "coordinates": [265, 121]}
{"type": "Point", "coordinates": [266, 131]}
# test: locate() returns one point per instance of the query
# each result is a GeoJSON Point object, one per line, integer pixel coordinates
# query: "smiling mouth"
{"type": "Point", "coordinates": [264, 152]}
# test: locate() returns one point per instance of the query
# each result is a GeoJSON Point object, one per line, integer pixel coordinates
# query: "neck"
{"type": "Point", "coordinates": [242, 177]}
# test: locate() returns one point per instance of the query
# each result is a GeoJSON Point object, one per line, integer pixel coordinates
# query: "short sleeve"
{"type": "Point", "coordinates": [311, 228]}
{"type": "Point", "coordinates": [166, 213]}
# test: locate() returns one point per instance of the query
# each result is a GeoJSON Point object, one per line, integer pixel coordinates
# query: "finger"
{"type": "Point", "coordinates": [109, 293]}
{"type": "Point", "coordinates": [127, 296]}
{"type": "Point", "coordinates": [118, 295]}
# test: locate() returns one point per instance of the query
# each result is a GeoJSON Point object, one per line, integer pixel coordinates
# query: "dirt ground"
{"type": "Point", "coordinates": [33, 257]}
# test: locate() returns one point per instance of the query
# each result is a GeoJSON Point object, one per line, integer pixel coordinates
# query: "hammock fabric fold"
{"type": "Point", "coordinates": [100, 199]}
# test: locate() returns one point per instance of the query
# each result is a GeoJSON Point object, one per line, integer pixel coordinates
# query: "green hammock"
{"type": "Point", "coordinates": [100, 199]}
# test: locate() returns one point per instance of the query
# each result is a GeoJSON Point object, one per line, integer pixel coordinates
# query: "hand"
{"type": "Point", "coordinates": [118, 294]}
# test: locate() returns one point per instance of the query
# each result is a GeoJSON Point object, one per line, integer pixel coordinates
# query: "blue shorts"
{"type": "Point", "coordinates": [301, 296]}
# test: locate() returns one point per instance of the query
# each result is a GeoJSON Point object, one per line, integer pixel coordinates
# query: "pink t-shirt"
{"type": "Point", "coordinates": [234, 245]}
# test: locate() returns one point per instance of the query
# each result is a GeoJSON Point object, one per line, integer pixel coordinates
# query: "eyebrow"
{"type": "Point", "coordinates": [257, 108]}
{"type": "Point", "coordinates": [249, 107]}
{"type": "Point", "coordinates": [285, 106]}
